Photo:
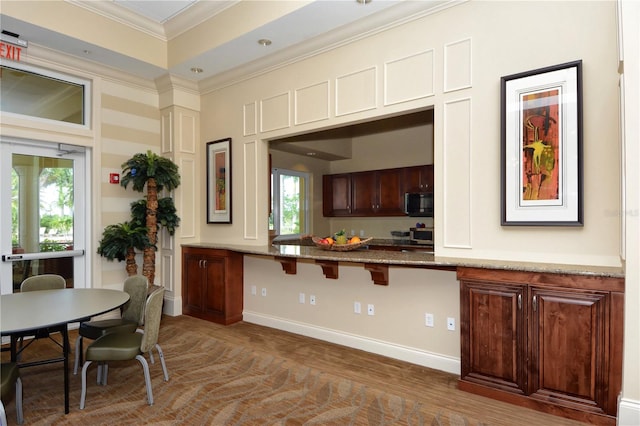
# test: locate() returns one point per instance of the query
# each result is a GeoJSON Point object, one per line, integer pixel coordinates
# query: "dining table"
{"type": "Point", "coordinates": [53, 310]}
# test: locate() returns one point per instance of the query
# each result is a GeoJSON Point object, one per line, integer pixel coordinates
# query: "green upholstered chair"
{"type": "Point", "coordinates": [124, 346]}
{"type": "Point", "coordinates": [132, 317]}
{"type": "Point", "coordinates": [10, 376]}
{"type": "Point", "coordinates": [43, 282]}
{"type": "Point", "coordinates": [38, 283]}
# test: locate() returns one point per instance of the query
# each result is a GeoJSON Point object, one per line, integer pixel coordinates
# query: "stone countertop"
{"type": "Point", "coordinates": [424, 259]}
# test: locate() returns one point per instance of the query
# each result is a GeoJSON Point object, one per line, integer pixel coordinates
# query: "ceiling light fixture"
{"type": "Point", "coordinates": [264, 42]}
{"type": "Point", "coordinates": [311, 154]}
{"type": "Point", "coordinates": [364, 1]}
{"type": "Point", "coordinates": [196, 70]}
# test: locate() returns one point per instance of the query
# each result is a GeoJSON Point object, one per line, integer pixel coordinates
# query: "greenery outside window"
{"type": "Point", "coordinates": [289, 202]}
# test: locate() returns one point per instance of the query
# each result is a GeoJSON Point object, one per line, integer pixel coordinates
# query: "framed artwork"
{"type": "Point", "coordinates": [541, 147]}
{"type": "Point", "coordinates": [219, 181]}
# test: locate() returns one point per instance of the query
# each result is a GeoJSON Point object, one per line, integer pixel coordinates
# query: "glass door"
{"type": "Point", "coordinates": [42, 213]}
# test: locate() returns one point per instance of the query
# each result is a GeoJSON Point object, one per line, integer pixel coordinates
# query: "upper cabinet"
{"type": "Point", "coordinates": [419, 178]}
{"type": "Point", "coordinates": [371, 193]}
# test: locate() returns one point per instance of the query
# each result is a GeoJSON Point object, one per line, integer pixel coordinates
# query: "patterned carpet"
{"type": "Point", "coordinates": [226, 381]}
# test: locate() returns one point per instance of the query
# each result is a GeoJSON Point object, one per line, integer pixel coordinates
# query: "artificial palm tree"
{"type": "Point", "coordinates": [120, 241]}
{"type": "Point", "coordinates": [166, 215]}
{"type": "Point", "coordinates": [155, 173]}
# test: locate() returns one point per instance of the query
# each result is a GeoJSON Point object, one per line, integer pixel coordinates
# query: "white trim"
{"type": "Point", "coordinates": [392, 350]}
{"type": "Point", "coordinates": [628, 412]}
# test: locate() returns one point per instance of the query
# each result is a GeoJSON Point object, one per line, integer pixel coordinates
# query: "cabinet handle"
{"type": "Point", "coordinates": [535, 303]}
{"type": "Point", "coordinates": [520, 302]}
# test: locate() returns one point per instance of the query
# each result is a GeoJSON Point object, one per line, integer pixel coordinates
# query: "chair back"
{"type": "Point", "coordinates": [136, 287]}
{"type": "Point", "coordinates": [152, 316]}
{"type": "Point", "coordinates": [43, 282]}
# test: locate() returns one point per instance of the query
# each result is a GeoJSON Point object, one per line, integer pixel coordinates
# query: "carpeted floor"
{"type": "Point", "coordinates": [251, 375]}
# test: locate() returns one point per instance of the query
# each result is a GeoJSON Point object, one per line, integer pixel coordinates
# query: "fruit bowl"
{"type": "Point", "coordinates": [340, 247]}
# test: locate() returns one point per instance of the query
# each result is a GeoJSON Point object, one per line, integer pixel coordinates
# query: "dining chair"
{"type": "Point", "coordinates": [10, 377]}
{"type": "Point", "coordinates": [131, 318]}
{"type": "Point", "coordinates": [123, 346]}
{"type": "Point", "coordinates": [38, 283]}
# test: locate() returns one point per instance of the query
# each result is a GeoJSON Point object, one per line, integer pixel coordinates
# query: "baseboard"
{"type": "Point", "coordinates": [628, 412]}
{"type": "Point", "coordinates": [392, 350]}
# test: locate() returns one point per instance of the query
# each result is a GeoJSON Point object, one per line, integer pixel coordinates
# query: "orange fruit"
{"type": "Point", "coordinates": [354, 240]}
{"type": "Point", "coordinates": [330, 241]}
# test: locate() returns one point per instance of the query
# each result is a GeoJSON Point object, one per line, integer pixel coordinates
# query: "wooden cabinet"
{"type": "Point", "coordinates": [363, 194]}
{"type": "Point", "coordinates": [377, 193]}
{"type": "Point", "coordinates": [545, 341]}
{"type": "Point", "coordinates": [419, 178]}
{"type": "Point", "coordinates": [212, 284]}
{"type": "Point", "coordinates": [336, 195]}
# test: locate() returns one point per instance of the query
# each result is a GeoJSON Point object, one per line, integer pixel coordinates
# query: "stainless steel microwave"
{"type": "Point", "coordinates": [418, 204]}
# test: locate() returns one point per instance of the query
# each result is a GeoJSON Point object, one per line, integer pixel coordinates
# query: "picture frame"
{"type": "Point", "coordinates": [219, 181]}
{"type": "Point", "coordinates": [541, 147]}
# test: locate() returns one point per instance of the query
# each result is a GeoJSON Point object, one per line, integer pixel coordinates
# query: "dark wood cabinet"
{"type": "Point", "coordinates": [212, 283]}
{"type": "Point", "coordinates": [336, 195]}
{"type": "Point", "coordinates": [419, 178]}
{"type": "Point", "coordinates": [364, 194]}
{"type": "Point", "coordinates": [377, 193]}
{"type": "Point", "coordinates": [545, 341]}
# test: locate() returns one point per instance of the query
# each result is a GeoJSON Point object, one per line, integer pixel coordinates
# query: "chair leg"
{"type": "Point", "coordinates": [164, 366]}
{"type": "Point", "coordinates": [19, 414]}
{"type": "Point", "coordinates": [83, 393]}
{"type": "Point", "coordinates": [78, 355]}
{"type": "Point", "coordinates": [147, 377]}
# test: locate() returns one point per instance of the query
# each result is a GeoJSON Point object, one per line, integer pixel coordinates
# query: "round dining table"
{"type": "Point", "coordinates": [21, 313]}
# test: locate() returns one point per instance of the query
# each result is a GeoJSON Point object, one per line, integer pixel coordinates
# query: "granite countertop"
{"type": "Point", "coordinates": [420, 258]}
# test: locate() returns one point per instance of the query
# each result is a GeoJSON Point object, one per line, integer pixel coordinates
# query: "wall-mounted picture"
{"type": "Point", "coordinates": [219, 181]}
{"type": "Point", "coordinates": [541, 136]}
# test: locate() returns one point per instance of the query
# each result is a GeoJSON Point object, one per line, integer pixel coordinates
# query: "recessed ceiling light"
{"type": "Point", "coordinates": [264, 42]}
{"type": "Point", "coordinates": [196, 70]}
{"type": "Point", "coordinates": [86, 52]}
{"type": "Point", "coordinates": [364, 1]}
{"type": "Point", "coordinates": [311, 154]}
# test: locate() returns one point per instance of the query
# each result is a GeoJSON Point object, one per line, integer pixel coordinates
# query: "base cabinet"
{"type": "Point", "coordinates": [212, 284]}
{"type": "Point", "coordinates": [551, 342]}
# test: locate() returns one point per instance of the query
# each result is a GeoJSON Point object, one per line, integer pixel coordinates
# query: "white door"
{"type": "Point", "coordinates": [43, 193]}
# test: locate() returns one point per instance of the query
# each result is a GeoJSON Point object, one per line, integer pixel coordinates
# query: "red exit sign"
{"type": "Point", "coordinates": [10, 51]}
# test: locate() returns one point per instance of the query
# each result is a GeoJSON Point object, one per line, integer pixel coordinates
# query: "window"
{"type": "Point", "coordinates": [289, 202]}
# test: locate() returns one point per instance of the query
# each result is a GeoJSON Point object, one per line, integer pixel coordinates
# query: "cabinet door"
{"type": "Point", "coordinates": [363, 193]}
{"type": "Point", "coordinates": [569, 347]}
{"type": "Point", "coordinates": [493, 333]}
{"type": "Point", "coordinates": [419, 178]}
{"type": "Point", "coordinates": [390, 191]}
{"type": "Point", "coordinates": [336, 195]}
{"type": "Point", "coordinates": [191, 284]}
{"type": "Point", "coordinates": [214, 286]}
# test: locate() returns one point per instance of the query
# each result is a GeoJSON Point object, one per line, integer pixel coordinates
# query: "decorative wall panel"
{"type": "Point", "coordinates": [187, 133]}
{"type": "Point", "coordinates": [356, 92]}
{"type": "Point", "coordinates": [167, 272]}
{"type": "Point", "coordinates": [457, 180]}
{"type": "Point", "coordinates": [409, 78]}
{"type": "Point", "coordinates": [167, 132]}
{"type": "Point", "coordinates": [187, 199]}
{"type": "Point", "coordinates": [250, 119]}
{"type": "Point", "coordinates": [250, 190]}
{"type": "Point", "coordinates": [274, 112]}
{"type": "Point", "coordinates": [457, 65]}
{"type": "Point", "coordinates": [311, 103]}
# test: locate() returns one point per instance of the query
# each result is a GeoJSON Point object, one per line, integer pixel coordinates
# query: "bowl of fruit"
{"type": "Point", "coordinates": [340, 242]}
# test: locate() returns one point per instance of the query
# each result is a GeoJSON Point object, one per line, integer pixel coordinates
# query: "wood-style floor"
{"type": "Point", "coordinates": [410, 381]}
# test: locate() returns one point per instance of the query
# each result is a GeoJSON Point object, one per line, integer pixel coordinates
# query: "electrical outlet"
{"type": "Point", "coordinates": [357, 308]}
{"type": "Point", "coordinates": [312, 299]}
{"type": "Point", "coordinates": [451, 324]}
{"type": "Point", "coordinates": [264, 291]}
{"type": "Point", "coordinates": [254, 290]}
{"type": "Point", "coordinates": [370, 309]}
{"type": "Point", "coordinates": [301, 298]}
{"type": "Point", "coordinates": [428, 320]}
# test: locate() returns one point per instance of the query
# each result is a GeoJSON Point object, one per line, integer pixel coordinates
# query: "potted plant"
{"type": "Point", "coordinates": [120, 241]}
{"type": "Point", "coordinates": [155, 173]}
